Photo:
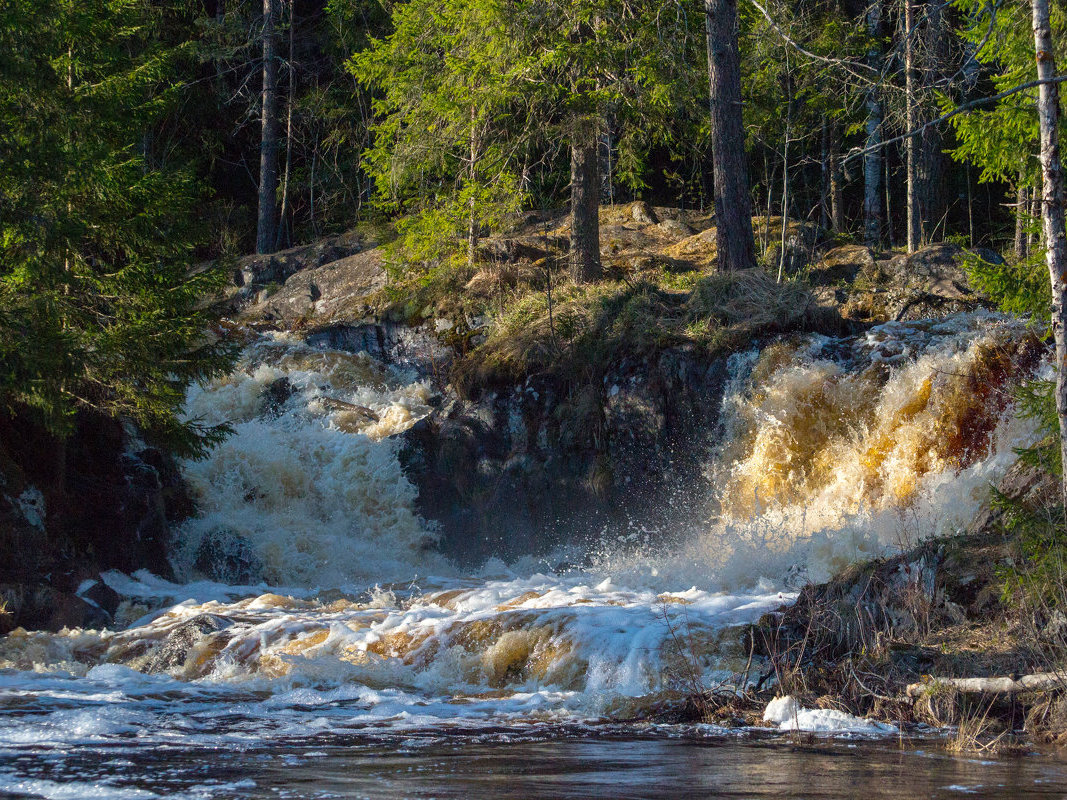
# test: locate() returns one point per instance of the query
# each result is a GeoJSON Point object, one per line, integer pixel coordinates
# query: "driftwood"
{"type": "Point", "coordinates": [1039, 682]}
{"type": "Point", "coordinates": [341, 405]}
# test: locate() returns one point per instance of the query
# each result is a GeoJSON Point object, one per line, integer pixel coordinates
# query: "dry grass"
{"type": "Point", "coordinates": [580, 331]}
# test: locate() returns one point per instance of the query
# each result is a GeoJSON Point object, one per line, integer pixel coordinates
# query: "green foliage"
{"type": "Point", "coordinates": [479, 101]}
{"type": "Point", "coordinates": [1039, 578]}
{"type": "Point", "coordinates": [97, 305]}
{"type": "Point", "coordinates": [1022, 289]}
{"type": "Point", "coordinates": [1002, 141]}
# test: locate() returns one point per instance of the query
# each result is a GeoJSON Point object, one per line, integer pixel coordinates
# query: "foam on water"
{"type": "Point", "coordinates": [831, 450]}
{"type": "Point", "coordinates": [309, 477]}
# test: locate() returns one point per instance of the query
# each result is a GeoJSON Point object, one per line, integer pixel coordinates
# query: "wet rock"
{"type": "Point", "coordinates": [172, 651]}
{"type": "Point", "coordinates": [1023, 484]}
{"type": "Point", "coordinates": [276, 394]}
{"type": "Point", "coordinates": [227, 557]}
{"type": "Point", "coordinates": [143, 512]}
{"type": "Point", "coordinates": [70, 510]}
{"type": "Point", "coordinates": [386, 341]}
{"type": "Point", "coordinates": [103, 597]}
{"type": "Point", "coordinates": [519, 470]}
{"type": "Point", "coordinates": [42, 607]}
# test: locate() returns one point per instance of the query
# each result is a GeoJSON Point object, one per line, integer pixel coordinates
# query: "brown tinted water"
{"type": "Point", "coordinates": [490, 767]}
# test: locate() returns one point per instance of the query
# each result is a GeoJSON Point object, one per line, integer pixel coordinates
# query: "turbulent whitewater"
{"type": "Point", "coordinates": [351, 622]}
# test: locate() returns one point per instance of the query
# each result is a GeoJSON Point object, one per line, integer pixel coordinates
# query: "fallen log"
{"type": "Point", "coordinates": [1009, 684]}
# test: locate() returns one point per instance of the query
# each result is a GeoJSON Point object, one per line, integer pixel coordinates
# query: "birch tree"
{"type": "Point", "coordinates": [267, 221]}
{"type": "Point", "coordinates": [1052, 210]}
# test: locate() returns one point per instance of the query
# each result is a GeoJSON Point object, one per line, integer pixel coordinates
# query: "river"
{"type": "Point", "coordinates": [346, 656]}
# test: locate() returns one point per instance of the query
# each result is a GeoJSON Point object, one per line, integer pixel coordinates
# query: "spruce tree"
{"type": "Point", "coordinates": [98, 307]}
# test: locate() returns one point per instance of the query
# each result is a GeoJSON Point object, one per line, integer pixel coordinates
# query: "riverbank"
{"type": "Point", "coordinates": [591, 484]}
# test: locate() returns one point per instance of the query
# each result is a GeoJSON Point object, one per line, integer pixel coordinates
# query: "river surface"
{"type": "Point", "coordinates": [509, 764]}
{"type": "Point", "coordinates": [317, 644]}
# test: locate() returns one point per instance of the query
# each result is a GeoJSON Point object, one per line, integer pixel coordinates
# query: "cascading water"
{"type": "Point", "coordinates": [831, 450]}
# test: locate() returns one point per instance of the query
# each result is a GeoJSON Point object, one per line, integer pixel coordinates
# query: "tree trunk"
{"type": "Point", "coordinates": [1035, 237]}
{"type": "Point", "coordinates": [931, 158]}
{"type": "Point", "coordinates": [912, 119]}
{"type": "Point", "coordinates": [765, 234]}
{"type": "Point", "coordinates": [585, 204]}
{"type": "Point", "coordinates": [733, 206]}
{"type": "Point", "coordinates": [824, 175]}
{"type": "Point", "coordinates": [288, 130]}
{"type": "Point", "coordinates": [837, 183]}
{"type": "Point", "coordinates": [1052, 210]}
{"type": "Point", "coordinates": [1022, 211]}
{"type": "Point", "coordinates": [1038, 682]}
{"type": "Point", "coordinates": [472, 222]}
{"type": "Point", "coordinates": [785, 175]}
{"type": "Point", "coordinates": [268, 145]}
{"type": "Point", "coordinates": [888, 206]}
{"type": "Point", "coordinates": [872, 161]}
{"type": "Point", "coordinates": [970, 208]}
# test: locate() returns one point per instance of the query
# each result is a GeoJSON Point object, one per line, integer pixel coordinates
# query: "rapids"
{"type": "Point", "coordinates": [350, 621]}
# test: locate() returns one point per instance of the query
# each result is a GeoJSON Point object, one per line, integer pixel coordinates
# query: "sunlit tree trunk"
{"type": "Point", "coordinates": [268, 147]}
{"type": "Point", "coordinates": [585, 204]}
{"type": "Point", "coordinates": [733, 206]}
{"type": "Point", "coordinates": [837, 183]}
{"type": "Point", "coordinates": [1052, 210]}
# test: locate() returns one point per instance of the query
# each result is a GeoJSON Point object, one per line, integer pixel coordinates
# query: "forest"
{"type": "Point", "coordinates": [512, 398]}
{"type": "Point", "coordinates": [142, 137]}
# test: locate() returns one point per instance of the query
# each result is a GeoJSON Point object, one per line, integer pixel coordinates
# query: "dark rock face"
{"type": "Point", "coordinates": [545, 464]}
{"type": "Point", "coordinates": [228, 557]}
{"type": "Point", "coordinates": [40, 606]}
{"type": "Point", "coordinates": [387, 341]}
{"type": "Point", "coordinates": [68, 510]}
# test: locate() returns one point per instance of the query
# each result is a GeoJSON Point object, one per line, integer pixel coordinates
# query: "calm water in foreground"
{"type": "Point", "coordinates": [494, 765]}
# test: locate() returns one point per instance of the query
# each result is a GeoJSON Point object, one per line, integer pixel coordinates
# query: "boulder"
{"type": "Point", "coordinates": [929, 283]}
{"type": "Point", "coordinates": [643, 214]}
{"type": "Point", "coordinates": [327, 293]}
{"type": "Point", "coordinates": [841, 265]}
{"type": "Point", "coordinates": [225, 556]}
{"type": "Point", "coordinates": [173, 650]}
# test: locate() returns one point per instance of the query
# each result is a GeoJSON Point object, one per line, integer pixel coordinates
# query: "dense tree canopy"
{"type": "Point", "coordinates": [97, 304]}
{"type": "Point", "coordinates": [132, 147]}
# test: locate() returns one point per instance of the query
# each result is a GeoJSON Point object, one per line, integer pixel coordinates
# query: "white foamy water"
{"type": "Point", "coordinates": [309, 477]}
{"type": "Point", "coordinates": [357, 627]}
